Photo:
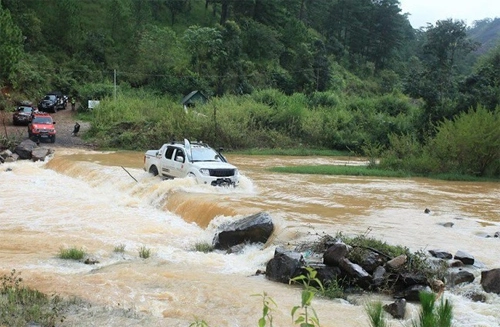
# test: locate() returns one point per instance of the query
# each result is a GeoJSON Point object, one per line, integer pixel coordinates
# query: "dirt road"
{"type": "Point", "coordinates": [65, 121]}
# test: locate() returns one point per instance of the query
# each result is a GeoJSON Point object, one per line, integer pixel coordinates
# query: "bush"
{"type": "Point", "coordinates": [71, 253]}
{"type": "Point", "coordinates": [323, 99]}
{"type": "Point", "coordinates": [469, 144]}
{"type": "Point", "coordinates": [24, 306]}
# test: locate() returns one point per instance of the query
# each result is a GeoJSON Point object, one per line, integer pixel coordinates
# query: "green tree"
{"type": "Point", "coordinates": [321, 67]}
{"type": "Point", "coordinates": [482, 87]}
{"type": "Point", "coordinates": [159, 53]}
{"type": "Point", "coordinates": [202, 43]}
{"type": "Point", "coordinates": [67, 26]}
{"type": "Point", "coordinates": [386, 33]}
{"type": "Point", "coordinates": [437, 82]}
{"type": "Point", "coordinates": [11, 44]}
{"type": "Point", "coordinates": [260, 42]}
{"type": "Point", "coordinates": [349, 24]}
{"type": "Point", "coordinates": [228, 58]}
{"type": "Point", "coordinates": [120, 31]}
{"type": "Point", "coordinates": [469, 144]}
{"type": "Point", "coordinates": [176, 7]}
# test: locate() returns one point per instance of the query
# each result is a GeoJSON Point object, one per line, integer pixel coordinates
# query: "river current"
{"type": "Point", "coordinates": [100, 201]}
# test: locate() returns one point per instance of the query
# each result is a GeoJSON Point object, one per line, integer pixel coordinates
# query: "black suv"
{"type": "Point", "coordinates": [52, 102]}
{"type": "Point", "coordinates": [23, 113]}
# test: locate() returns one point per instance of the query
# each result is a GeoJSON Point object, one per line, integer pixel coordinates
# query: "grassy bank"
{"type": "Point", "coordinates": [374, 172]}
{"type": "Point", "coordinates": [296, 152]}
{"type": "Point", "coordinates": [271, 123]}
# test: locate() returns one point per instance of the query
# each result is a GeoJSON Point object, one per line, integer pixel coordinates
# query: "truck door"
{"type": "Point", "coordinates": [179, 163]}
{"type": "Point", "coordinates": [167, 162]}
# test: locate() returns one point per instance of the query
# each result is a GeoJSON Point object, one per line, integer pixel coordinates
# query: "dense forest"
{"type": "Point", "coordinates": [340, 74]}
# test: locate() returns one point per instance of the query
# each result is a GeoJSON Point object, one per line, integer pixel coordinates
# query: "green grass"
{"type": "Point", "coordinates": [23, 306]}
{"type": "Point", "coordinates": [431, 315]}
{"type": "Point", "coordinates": [334, 290]}
{"type": "Point", "coordinates": [71, 253]}
{"type": "Point", "coordinates": [373, 172]}
{"type": "Point", "coordinates": [293, 152]}
{"type": "Point", "coordinates": [376, 314]}
{"type": "Point", "coordinates": [144, 252]}
{"type": "Point", "coordinates": [338, 170]}
{"type": "Point", "coordinates": [120, 248]}
{"type": "Point", "coordinates": [203, 247]}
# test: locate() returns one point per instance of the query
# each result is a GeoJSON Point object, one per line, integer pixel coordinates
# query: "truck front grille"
{"type": "Point", "coordinates": [221, 172]}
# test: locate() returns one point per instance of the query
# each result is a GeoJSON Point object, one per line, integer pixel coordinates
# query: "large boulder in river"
{"type": "Point", "coordinates": [25, 148]}
{"type": "Point", "coordinates": [40, 153]}
{"type": "Point", "coordinates": [490, 280]}
{"type": "Point", "coordinates": [256, 228]}
{"type": "Point", "coordinates": [465, 257]}
{"type": "Point", "coordinates": [284, 266]}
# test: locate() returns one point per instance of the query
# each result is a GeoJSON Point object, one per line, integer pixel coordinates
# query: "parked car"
{"type": "Point", "coordinates": [23, 113]}
{"type": "Point", "coordinates": [196, 159]}
{"type": "Point", "coordinates": [52, 102]}
{"type": "Point", "coordinates": [42, 127]}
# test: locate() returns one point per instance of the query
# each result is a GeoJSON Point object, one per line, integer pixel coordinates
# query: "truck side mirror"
{"type": "Point", "coordinates": [179, 159]}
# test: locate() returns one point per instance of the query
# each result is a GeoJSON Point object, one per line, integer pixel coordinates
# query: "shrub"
{"type": "Point", "coordinates": [469, 144]}
{"type": "Point", "coordinates": [375, 313]}
{"type": "Point", "coordinates": [23, 306]}
{"type": "Point", "coordinates": [323, 99]}
{"type": "Point", "coordinates": [119, 248]}
{"type": "Point", "coordinates": [203, 247]}
{"type": "Point", "coordinates": [71, 253]}
{"type": "Point", "coordinates": [144, 252]}
{"type": "Point", "coordinates": [432, 316]}
{"type": "Point", "coordinates": [308, 316]}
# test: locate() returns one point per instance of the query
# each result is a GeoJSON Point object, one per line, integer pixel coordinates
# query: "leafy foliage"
{"type": "Point", "coordinates": [72, 253]}
{"type": "Point", "coordinates": [23, 306]}
{"type": "Point", "coordinates": [268, 305]}
{"type": "Point", "coordinates": [432, 316]}
{"type": "Point", "coordinates": [375, 313]}
{"type": "Point", "coordinates": [144, 252]}
{"type": "Point", "coordinates": [10, 43]}
{"type": "Point", "coordinates": [469, 143]}
{"type": "Point", "coordinates": [307, 318]}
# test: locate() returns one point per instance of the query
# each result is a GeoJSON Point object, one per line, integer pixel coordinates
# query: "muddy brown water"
{"type": "Point", "coordinates": [87, 199]}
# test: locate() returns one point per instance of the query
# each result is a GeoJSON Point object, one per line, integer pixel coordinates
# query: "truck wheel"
{"type": "Point", "coordinates": [153, 170]}
{"type": "Point", "coordinates": [193, 176]}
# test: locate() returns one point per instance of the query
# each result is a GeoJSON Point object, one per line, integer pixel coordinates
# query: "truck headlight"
{"type": "Point", "coordinates": [205, 171]}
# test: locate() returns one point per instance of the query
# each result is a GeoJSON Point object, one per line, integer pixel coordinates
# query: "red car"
{"type": "Point", "coordinates": [23, 114]}
{"type": "Point", "coordinates": [42, 127]}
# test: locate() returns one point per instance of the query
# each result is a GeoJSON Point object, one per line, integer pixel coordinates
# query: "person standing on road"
{"type": "Point", "coordinates": [73, 102]}
{"type": "Point", "coordinates": [76, 129]}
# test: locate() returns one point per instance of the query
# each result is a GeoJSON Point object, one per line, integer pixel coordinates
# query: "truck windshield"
{"type": "Point", "coordinates": [205, 154]}
{"type": "Point", "coordinates": [42, 120]}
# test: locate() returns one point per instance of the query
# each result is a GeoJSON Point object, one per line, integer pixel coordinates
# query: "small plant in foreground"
{"type": "Point", "coordinates": [430, 316]}
{"type": "Point", "coordinates": [266, 309]}
{"type": "Point", "coordinates": [71, 253]}
{"type": "Point", "coordinates": [203, 247]}
{"type": "Point", "coordinates": [23, 306]}
{"type": "Point", "coordinates": [334, 290]}
{"type": "Point", "coordinates": [199, 323]}
{"type": "Point", "coordinates": [305, 319]}
{"type": "Point", "coordinates": [375, 313]}
{"type": "Point", "coordinates": [144, 252]}
{"type": "Point", "coordinates": [119, 248]}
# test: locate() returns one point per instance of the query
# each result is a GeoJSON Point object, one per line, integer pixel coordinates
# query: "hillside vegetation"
{"type": "Point", "coordinates": [341, 75]}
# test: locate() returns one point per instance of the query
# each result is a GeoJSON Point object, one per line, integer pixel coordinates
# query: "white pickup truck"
{"type": "Point", "coordinates": [197, 160]}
